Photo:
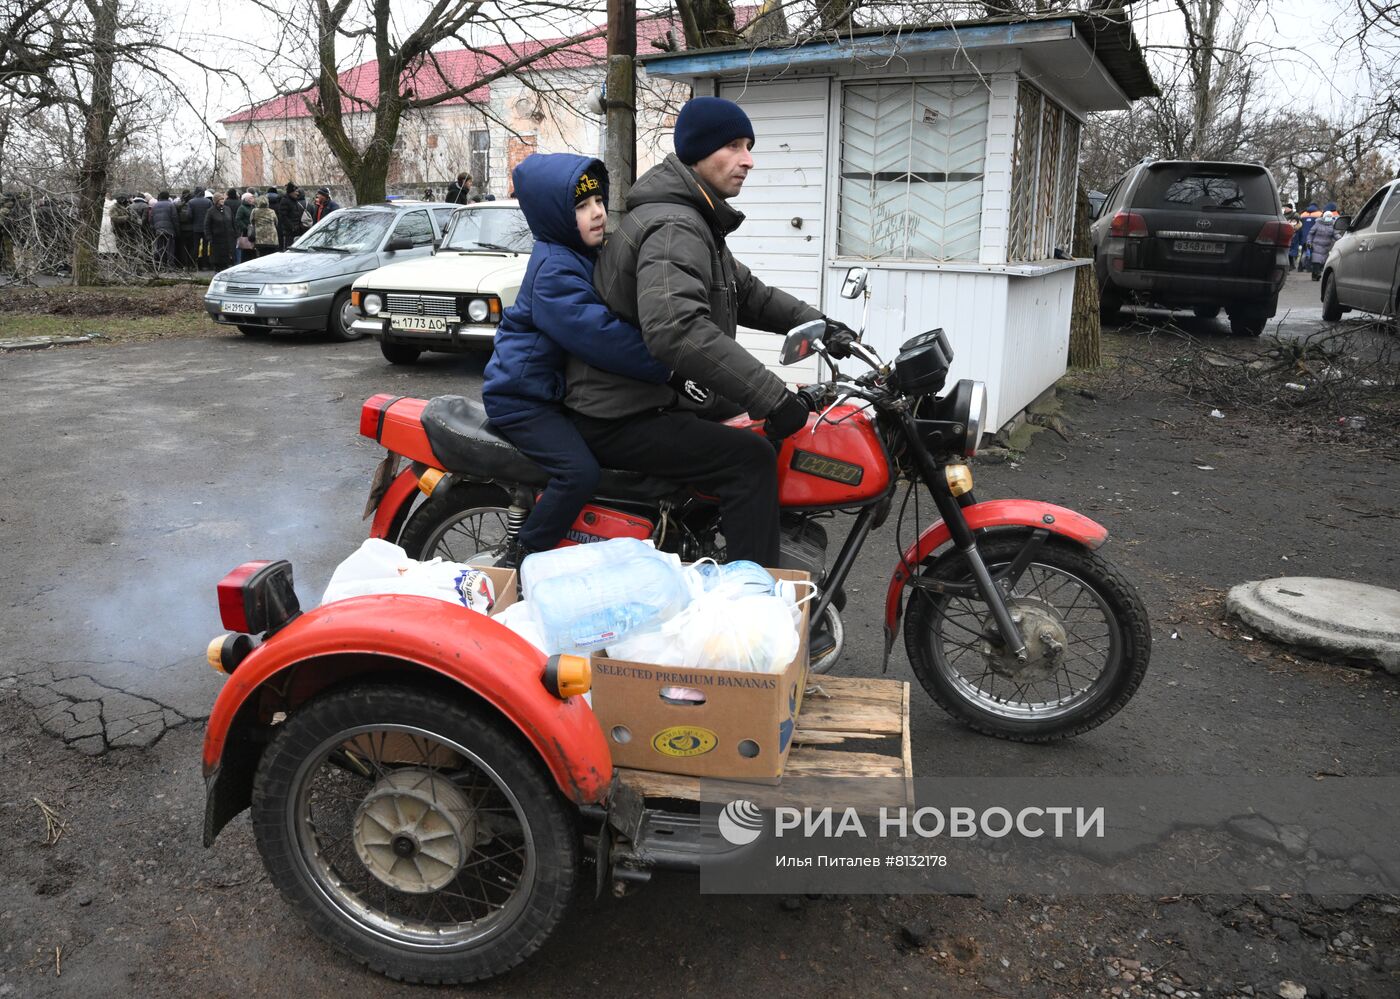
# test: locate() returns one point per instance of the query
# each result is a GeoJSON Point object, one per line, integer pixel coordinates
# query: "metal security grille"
{"type": "Point", "coordinates": [912, 158]}
{"type": "Point", "coordinates": [1044, 176]}
{"type": "Point", "coordinates": [421, 305]}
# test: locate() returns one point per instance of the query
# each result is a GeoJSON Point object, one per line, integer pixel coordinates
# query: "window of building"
{"type": "Point", "coordinates": [432, 141]}
{"type": "Point", "coordinates": [480, 167]}
{"type": "Point", "coordinates": [289, 148]}
{"type": "Point", "coordinates": [1045, 172]}
{"type": "Point", "coordinates": [912, 159]}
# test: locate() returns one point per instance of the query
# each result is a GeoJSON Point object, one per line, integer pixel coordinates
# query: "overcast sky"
{"type": "Point", "coordinates": [1299, 46]}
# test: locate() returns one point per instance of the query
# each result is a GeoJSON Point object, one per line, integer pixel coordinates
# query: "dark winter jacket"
{"type": "Point", "coordinates": [458, 194]}
{"type": "Point", "coordinates": [242, 219]}
{"type": "Point", "coordinates": [667, 270]}
{"type": "Point", "coordinates": [557, 313]}
{"type": "Point", "coordinates": [289, 211]}
{"type": "Point", "coordinates": [318, 212]}
{"type": "Point", "coordinates": [1323, 235]}
{"type": "Point", "coordinates": [199, 208]}
{"type": "Point", "coordinates": [163, 217]}
{"type": "Point", "coordinates": [215, 225]}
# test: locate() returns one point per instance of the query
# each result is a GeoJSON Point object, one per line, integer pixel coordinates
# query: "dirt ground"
{"type": "Point", "coordinates": [116, 895]}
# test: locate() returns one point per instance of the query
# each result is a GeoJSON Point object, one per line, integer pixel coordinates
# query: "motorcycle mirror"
{"type": "Point", "coordinates": [855, 282]}
{"type": "Point", "coordinates": [798, 345]}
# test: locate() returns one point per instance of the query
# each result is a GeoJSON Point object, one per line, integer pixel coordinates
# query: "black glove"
{"type": "Point", "coordinates": [690, 389]}
{"type": "Point", "coordinates": [787, 418]}
{"type": "Point", "coordinates": [838, 339]}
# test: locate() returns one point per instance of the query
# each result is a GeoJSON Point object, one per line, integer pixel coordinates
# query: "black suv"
{"type": "Point", "coordinates": [1204, 236]}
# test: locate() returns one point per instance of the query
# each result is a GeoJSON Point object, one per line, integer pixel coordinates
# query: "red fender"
{"type": "Point", "coordinates": [485, 657]}
{"type": "Point", "coordinates": [398, 495]}
{"type": "Point", "coordinates": [994, 513]}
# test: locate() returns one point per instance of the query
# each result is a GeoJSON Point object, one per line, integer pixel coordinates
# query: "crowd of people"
{"type": "Point", "coordinates": [1314, 232]}
{"type": "Point", "coordinates": [204, 230]}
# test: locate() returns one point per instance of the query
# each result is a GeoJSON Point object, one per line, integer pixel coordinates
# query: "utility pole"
{"type": "Point", "coordinates": [620, 153]}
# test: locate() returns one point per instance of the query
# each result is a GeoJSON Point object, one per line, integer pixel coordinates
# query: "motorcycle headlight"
{"type": "Point", "coordinates": [478, 310]}
{"type": "Point", "coordinates": [287, 290]}
{"type": "Point", "coordinates": [372, 304]}
{"type": "Point", "coordinates": [971, 412]}
{"type": "Point", "coordinates": [217, 287]}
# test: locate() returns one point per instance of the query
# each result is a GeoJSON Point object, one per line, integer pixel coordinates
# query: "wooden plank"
{"type": "Point", "coordinates": [908, 756]}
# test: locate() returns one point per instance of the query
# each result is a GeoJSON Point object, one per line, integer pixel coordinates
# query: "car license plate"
{"type": "Point", "coordinates": [428, 324]}
{"type": "Point", "coordinates": [1197, 246]}
{"type": "Point", "coordinates": [238, 308]}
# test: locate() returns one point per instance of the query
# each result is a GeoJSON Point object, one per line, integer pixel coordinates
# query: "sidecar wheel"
{"type": "Point", "coordinates": [1084, 625]}
{"type": "Point", "coordinates": [418, 834]}
{"type": "Point", "coordinates": [466, 523]}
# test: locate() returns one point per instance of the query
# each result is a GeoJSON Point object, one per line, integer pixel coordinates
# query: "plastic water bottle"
{"type": "Point", "coordinates": [590, 558]}
{"type": "Point", "coordinates": [741, 578]}
{"type": "Point", "coordinates": [585, 611]}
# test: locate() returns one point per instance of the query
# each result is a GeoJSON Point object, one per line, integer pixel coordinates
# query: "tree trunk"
{"type": "Point", "coordinates": [1085, 342]}
{"type": "Point", "coordinates": [97, 143]}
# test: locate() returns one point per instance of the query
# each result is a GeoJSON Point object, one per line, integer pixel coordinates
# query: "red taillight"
{"type": "Point", "coordinates": [1128, 224]}
{"type": "Point", "coordinates": [1276, 233]}
{"type": "Point", "coordinates": [258, 597]}
{"type": "Point", "coordinates": [372, 414]}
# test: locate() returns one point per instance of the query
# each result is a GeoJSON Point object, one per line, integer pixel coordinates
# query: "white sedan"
{"type": "Point", "coordinates": [453, 300]}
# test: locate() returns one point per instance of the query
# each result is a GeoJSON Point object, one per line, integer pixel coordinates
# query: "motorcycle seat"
{"type": "Point", "coordinates": [465, 443]}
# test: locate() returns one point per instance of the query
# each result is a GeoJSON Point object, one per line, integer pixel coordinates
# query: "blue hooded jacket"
{"type": "Point", "coordinates": [557, 312]}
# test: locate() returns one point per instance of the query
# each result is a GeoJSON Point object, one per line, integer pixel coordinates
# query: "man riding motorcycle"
{"type": "Point", "coordinates": [668, 271]}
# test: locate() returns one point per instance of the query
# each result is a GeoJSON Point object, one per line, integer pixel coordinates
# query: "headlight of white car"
{"type": "Point", "coordinates": [372, 304]}
{"type": "Point", "coordinates": [217, 287]}
{"type": "Point", "coordinates": [478, 310]}
{"type": "Point", "coordinates": [287, 290]}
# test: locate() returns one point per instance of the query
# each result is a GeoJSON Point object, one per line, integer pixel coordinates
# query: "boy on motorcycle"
{"type": "Point", "coordinates": [667, 270]}
{"type": "Point", "coordinates": [557, 313]}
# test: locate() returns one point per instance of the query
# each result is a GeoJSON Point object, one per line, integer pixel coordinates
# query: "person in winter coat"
{"type": "Point", "coordinates": [289, 211]}
{"type": "Point", "coordinates": [668, 271]}
{"type": "Point", "coordinates": [1324, 234]}
{"type": "Point", "coordinates": [243, 226]}
{"type": "Point", "coordinates": [323, 205]}
{"type": "Point", "coordinates": [556, 314]}
{"type": "Point", "coordinates": [200, 203]}
{"type": "Point", "coordinates": [165, 229]}
{"type": "Point", "coordinates": [1309, 219]}
{"type": "Point", "coordinates": [217, 226]}
{"type": "Point", "coordinates": [264, 228]}
{"type": "Point", "coordinates": [459, 192]}
{"type": "Point", "coordinates": [185, 235]}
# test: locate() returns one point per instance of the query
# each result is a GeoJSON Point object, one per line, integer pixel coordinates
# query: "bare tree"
{"type": "Point", "coordinates": [411, 66]}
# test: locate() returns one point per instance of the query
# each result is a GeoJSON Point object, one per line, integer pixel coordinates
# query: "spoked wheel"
{"type": "Point", "coordinates": [416, 833]}
{"type": "Point", "coordinates": [466, 523]}
{"type": "Point", "coordinates": [1086, 633]}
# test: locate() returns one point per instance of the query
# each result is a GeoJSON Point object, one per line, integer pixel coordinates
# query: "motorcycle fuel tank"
{"type": "Point", "coordinates": [837, 462]}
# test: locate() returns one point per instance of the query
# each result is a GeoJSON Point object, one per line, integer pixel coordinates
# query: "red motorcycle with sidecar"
{"type": "Point", "coordinates": [425, 784]}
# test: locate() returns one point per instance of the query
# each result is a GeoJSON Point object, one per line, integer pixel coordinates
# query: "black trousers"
{"type": "Point", "coordinates": [549, 438]}
{"type": "Point", "coordinates": [738, 467]}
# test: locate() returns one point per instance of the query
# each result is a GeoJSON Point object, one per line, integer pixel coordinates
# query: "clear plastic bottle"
{"type": "Point", "coordinates": [585, 611]}
{"type": "Point", "coordinates": [600, 555]}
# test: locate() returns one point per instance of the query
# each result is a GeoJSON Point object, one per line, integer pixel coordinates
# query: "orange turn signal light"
{"type": "Point", "coordinates": [565, 675]}
{"type": "Point", "coordinates": [355, 299]}
{"type": "Point", "coordinates": [428, 481]}
{"type": "Point", "coordinates": [227, 651]}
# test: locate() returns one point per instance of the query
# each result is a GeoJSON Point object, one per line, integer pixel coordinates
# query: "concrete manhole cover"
{"type": "Point", "coordinates": [1338, 616]}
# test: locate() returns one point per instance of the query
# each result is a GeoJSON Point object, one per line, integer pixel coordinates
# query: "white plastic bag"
{"type": "Point", "coordinates": [753, 633]}
{"type": "Point", "coordinates": [379, 566]}
{"type": "Point", "coordinates": [520, 618]}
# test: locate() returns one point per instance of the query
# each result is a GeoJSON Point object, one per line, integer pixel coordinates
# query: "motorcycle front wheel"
{"type": "Point", "coordinates": [417, 833]}
{"type": "Point", "coordinates": [466, 523]}
{"type": "Point", "coordinates": [1086, 631]}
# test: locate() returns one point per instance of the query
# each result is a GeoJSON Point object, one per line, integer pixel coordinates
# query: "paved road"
{"type": "Point", "coordinates": [138, 475]}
